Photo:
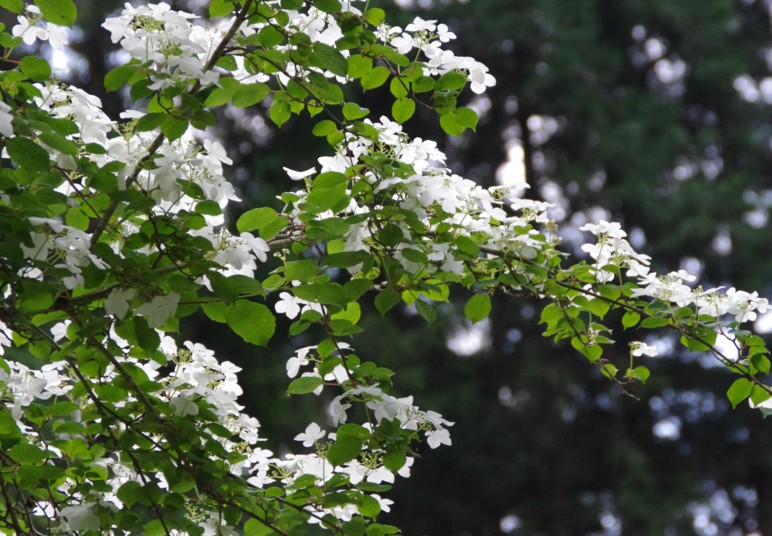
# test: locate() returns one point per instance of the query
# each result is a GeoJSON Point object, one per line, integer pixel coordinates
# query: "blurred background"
{"type": "Point", "coordinates": [654, 113]}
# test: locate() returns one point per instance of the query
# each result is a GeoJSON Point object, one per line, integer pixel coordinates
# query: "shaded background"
{"type": "Point", "coordinates": [654, 113]}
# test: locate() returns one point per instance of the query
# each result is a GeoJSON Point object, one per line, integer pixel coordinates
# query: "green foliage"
{"type": "Point", "coordinates": [114, 234]}
{"type": "Point", "coordinates": [61, 12]}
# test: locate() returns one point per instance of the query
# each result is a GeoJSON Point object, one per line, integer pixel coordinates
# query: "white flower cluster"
{"type": "Point", "coordinates": [382, 405]}
{"type": "Point", "coordinates": [178, 49]}
{"type": "Point", "coordinates": [24, 385]}
{"type": "Point", "coordinates": [428, 37]}
{"type": "Point", "coordinates": [432, 188]}
{"type": "Point", "coordinates": [31, 27]}
{"type": "Point", "coordinates": [613, 249]}
{"type": "Point", "coordinates": [59, 242]}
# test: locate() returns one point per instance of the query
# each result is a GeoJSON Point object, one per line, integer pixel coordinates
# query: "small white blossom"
{"type": "Point", "coordinates": [79, 517]}
{"type": "Point", "coordinates": [159, 309]}
{"type": "Point", "coordinates": [118, 301]}
{"type": "Point", "coordinates": [312, 434]}
{"type": "Point", "coordinates": [638, 349]}
{"type": "Point", "coordinates": [299, 175]}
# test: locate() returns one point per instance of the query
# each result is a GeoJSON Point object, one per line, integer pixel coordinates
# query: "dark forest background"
{"type": "Point", "coordinates": [654, 113]}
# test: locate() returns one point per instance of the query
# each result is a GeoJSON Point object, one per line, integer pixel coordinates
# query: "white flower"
{"type": "Point", "coordinates": [59, 330]}
{"type": "Point", "coordinates": [288, 305]}
{"type": "Point", "coordinates": [28, 32]}
{"type": "Point", "coordinates": [744, 305]}
{"type": "Point", "coordinates": [118, 301]}
{"type": "Point", "coordinates": [299, 175]}
{"type": "Point", "coordinates": [337, 411]}
{"type": "Point", "coordinates": [299, 360]}
{"type": "Point", "coordinates": [183, 406]}
{"type": "Point", "coordinates": [158, 311]}
{"type": "Point", "coordinates": [259, 247]}
{"type": "Point", "coordinates": [312, 434]}
{"type": "Point", "coordinates": [637, 349]}
{"type": "Point", "coordinates": [6, 128]}
{"type": "Point", "coordinates": [216, 150]}
{"type": "Point", "coordinates": [79, 517]}
{"type": "Point", "coordinates": [435, 438]}
{"type": "Point", "coordinates": [421, 25]}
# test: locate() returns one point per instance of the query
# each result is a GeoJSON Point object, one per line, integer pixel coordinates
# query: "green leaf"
{"type": "Point", "coordinates": [208, 207]}
{"type": "Point", "coordinates": [220, 8]}
{"type": "Point", "coordinates": [324, 293]}
{"type": "Point", "coordinates": [60, 12]}
{"type": "Point", "coordinates": [328, 6]}
{"type": "Point", "coordinates": [279, 112]}
{"type": "Point", "coordinates": [355, 527]}
{"type": "Point", "coordinates": [304, 385]}
{"type": "Point", "coordinates": [592, 352]}
{"type": "Point", "coordinates": [368, 506]}
{"type": "Point", "coordinates": [654, 322]}
{"type": "Point", "coordinates": [450, 81]}
{"type": "Point", "coordinates": [353, 111]}
{"type": "Point", "coordinates": [426, 311]}
{"type": "Point", "coordinates": [630, 319]}
{"type": "Point", "coordinates": [14, 6]}
{"type": "Point", "coordinates": [393, 461]}
{"type": "Point", "coordinates": [249, 94]}
{"type": "Point", "coordinates": [303, 270]}
{"type": "Point", "coordinates": [387, 299]}
{"type": "Point", "coordinates": [327, 190]}
{"type": "Point", "coordinates": [640, 373]}
{"type": "Point", "coordinates": [60, 143]}
{"type": "Point", "coordinates": [739, 390]}
{"type": "Point", "coordinates": [760, 363]}
{"type": "Point", "coordinates": [155, 528]}
{"type": "Point", "coordinates": [467, 246]}
{"type": "Point", "coordinates": [325, 127]}
{"type": "Point", "coordinates": [8, 426]}
{"type": "Point", "coordinates": [345, 449]}
{"type": "Point", "coordinates": [270, 36]}
{"type": "Point", "coordinates": [251, 321]}
{"type": "Point", "coordinates": [131, 492]}
{"type": "Point", "coordinates": [253, 527]}
{"type": "Point", "coordinates": [375, 16]}
{"type": "Point", "coordinates": [478, 307]}
{"type": "Point", "coordinates": [324, 90]}
{"type": "Point", "coordinates": [147, 338]}
{"type": "Point", "coordinates": [374, 78]}
{"type": "Point", "coordinates": [35, 68]}
{"type": "Point", "coordinates": [457, 121]}
{"type": "Point", "coordinates": [173, 128]}
{"type": "Point", "coordinates": [329, 58]}
{"type": "Point", "coordinates": [402, 109]}
{"type": "Point", "coordinates": [27, 154]}
{"type": "Point", "coordinates": [359, 65]}
{"type": "Point", "coordinates": [216, 311]}
{"type": "Point", "coordinates": [119, 77]}
{"type": "Point", "coordinates": [231, 288]}
{"type": "Point", "coordinates": [256, 219]}
{"type": "Point", "coordinates": [598, 307]}
{"type": "Point", "coordinates": [346, 259]}
{"type": "Point", "coordinates": [759, 395]}
{"type": "Point", "coordinates": [377, 529]}
{"type": "Point", "coordinates": [150, 121]}
{"type": "Point", "coordinates": [26, 453]}
{"type": "Point", "coordinates": [398, 88]}
{"type": "Point", "coordinates": [694, 344]}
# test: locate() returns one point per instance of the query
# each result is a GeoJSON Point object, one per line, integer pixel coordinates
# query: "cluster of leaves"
{"type": "Point", "coordinates": [114, 233]}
